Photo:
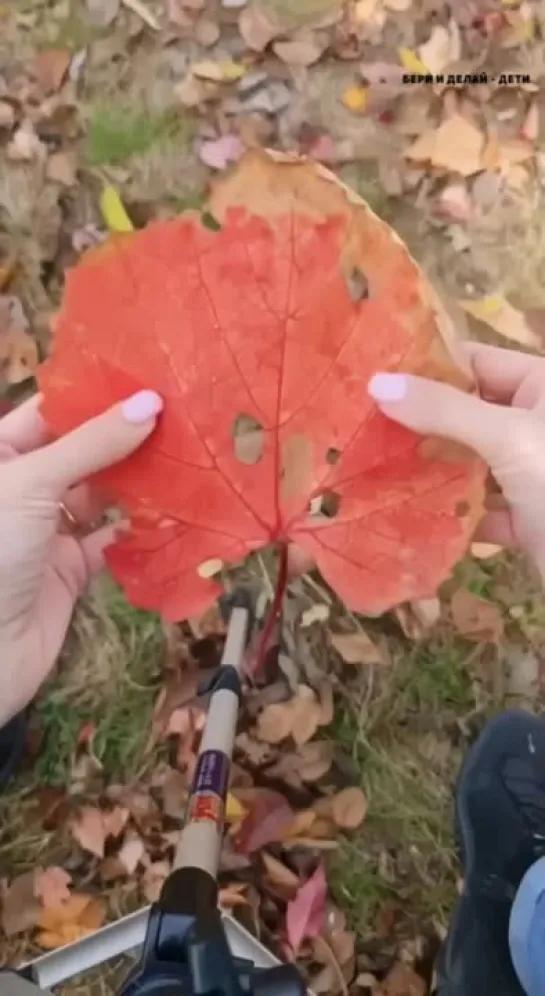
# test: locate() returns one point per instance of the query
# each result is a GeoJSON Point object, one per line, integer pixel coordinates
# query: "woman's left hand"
{"type": "Point", "coordinates": [43, 568]}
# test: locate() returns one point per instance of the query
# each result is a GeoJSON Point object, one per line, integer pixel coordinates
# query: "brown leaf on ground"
{"type": "Point", "coordinates": [51, 887]}
{"type": "Point", "coordinates": [61, 168]}
{"type": "Point", "coordinates": [349, 808]}
{"type": "Point", "coordinates": [89, 830]}
{"type": "Point", "coordinates": [275, 723]}
{"type": "Point", "coordinates": [357, 648]}
{"type": "Point", "coordinates": [153, 880]}
{"type": "Point", "coordinates": [501, 316]}
{"type": "Point", "coordinates": [103, 13]}
{"type": "Point", "coordinates": [402, 980]}
{"type": "Point", "coordinates": [307, 714]}
{"type": "Point", "coordinates": [279, 873]}
{"type": "Point", "coordinates": [18, 350]}
{"type": "Point", "coordinates": [477, 619]}
{"type": "Point", "coordinates": [302, 51]}
{"type": "Point", "coordinates": [50, 67]}
{"type": "Point", "coordinates": [20, 906]}
{"type": "Point", "coordinates": [131, 854]}
{"type": "Point", "coordinates": [268, 818]}
{"type": "Point", "coordinates": [456, 146]}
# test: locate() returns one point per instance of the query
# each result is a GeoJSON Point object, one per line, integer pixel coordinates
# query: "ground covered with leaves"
{"type": "Point", "coordinates": [339, 849]}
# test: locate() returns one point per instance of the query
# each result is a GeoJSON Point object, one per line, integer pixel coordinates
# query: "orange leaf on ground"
{"type": "Point", "coordinates": [77, 918]}
{"type": "Point", "coordinates": [320, 273]}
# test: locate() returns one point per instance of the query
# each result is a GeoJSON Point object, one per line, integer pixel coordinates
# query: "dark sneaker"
{"type": "Point", "coordinates": [500, 817]}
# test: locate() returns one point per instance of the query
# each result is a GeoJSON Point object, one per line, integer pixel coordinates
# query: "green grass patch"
{"type": "Point", "coordinates": [116, 133]}
{"type": "Point", "coordinates": [118, 699]}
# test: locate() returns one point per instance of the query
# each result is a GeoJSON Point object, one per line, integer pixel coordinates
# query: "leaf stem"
{"type": "Point", "coordinates": [274, 611]}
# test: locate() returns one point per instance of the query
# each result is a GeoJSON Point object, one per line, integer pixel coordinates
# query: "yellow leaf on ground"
{"type": "Point", "coordinates": [113, 211]}
{"type": "Point", "coordinates": [501, 316]}
{"type": "Point", "coordinates": [234, 810]}
{"type": "Point", "coordinates": [354, 98]}
{"type": "Point", "coordinates": [410, 61]}
{"type": "Point", "coordinates": [226, 71]}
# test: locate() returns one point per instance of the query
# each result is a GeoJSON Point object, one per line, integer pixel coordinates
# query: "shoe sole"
{"type": "Point", "coordinates": [463, 833]}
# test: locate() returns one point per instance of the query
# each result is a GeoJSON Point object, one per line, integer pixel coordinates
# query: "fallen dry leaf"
{"type": "Point", "coordinates": [221, 152]}
{"type": "Point", "coordinates": [131, 853]}
{"type": "Point", "coordinates": [206, 32]}
{"type": "Point", "coordinates": [501, 316]}
{"type": "Point", "coordinates": [303, 51]}
{"type": "Point", "coordinates": [89, 831]}
{"type": "Point", "coordinates": [257, 27]}
{"type": "Point", "coordinates": [20, 905]}
{"type": "Point", "coordinates": [142, 11]}
{"type": "Point", "coordinates": [530, 126]}
{"type": "Point", "coordinates": [226, 71]}
{"type": "Point", "coordinates": [355, 98]}
{"type": "Point", "coordinates": [103, 13]}
{"type": "Point", "coordinates": [80, 916]}
{"type": "Point", "coordinates": [402, 980]}
{"type": "Point", "coordinates": [268, 818]}
{"type": "Point", "coordinates": [306, 713]}
{"type": "Point", "coordinates": [476, 618]}
{"type": "Point", "coordinates": [305, 913]}
{"type": "Point", "coordinates": [50, 67]}
{"type": "Point", "coordinates": [411, 62]}
{"type": "Point", "coordinates": [275, 722]}
{"type": "Point", "coordinates": [349, 808]}
{"type": "Point", "coordinates": [279, 873]}
{"type": "Point", "coordinates": [51, 887]}
{"type": "Point", "coordinates": [456, 145]}
{"type": "Point", "coordinates": [357, 648]}
{"type": "Point", "coordinates": [18, 350]}
{"type": "Point", "coordinates": [153, 880]}
{"type": "Point", "coordinates": [454, 203]}
{"type": "Point", "coordinates": [442, 48]}
{"type": "Point", "coordinates": [61, 167]}
{"type": "Point", "coordinates": [484, 551]}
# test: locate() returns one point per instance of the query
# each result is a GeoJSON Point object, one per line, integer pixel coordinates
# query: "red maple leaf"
{"type": "Point", "coordinates": [276, 321]}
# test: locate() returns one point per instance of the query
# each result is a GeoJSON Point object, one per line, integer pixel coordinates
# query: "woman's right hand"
{"type": "Point", "coordinates": [505, 426]}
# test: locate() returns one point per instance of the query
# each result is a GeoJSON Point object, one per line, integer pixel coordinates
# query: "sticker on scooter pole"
{"type": "Point", "coordinates": [209, 788]}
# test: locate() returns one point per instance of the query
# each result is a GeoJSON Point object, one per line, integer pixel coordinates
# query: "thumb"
{"type": "Point", "coordinates": [95, 445]}
{"type": "Point", "coordinates": [437, 409]}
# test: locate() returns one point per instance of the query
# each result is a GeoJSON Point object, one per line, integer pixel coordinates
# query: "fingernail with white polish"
{"type": "Point", "coordinates": [386, 387]}
{"type": "Point", "coordinates": [142, 406]}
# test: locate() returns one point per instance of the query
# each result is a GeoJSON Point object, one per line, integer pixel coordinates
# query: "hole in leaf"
{"type": "Point", "coordinates": [209, 567]}
{"type": "Point", "coordinates": [461, 508]}
{"type": "Point", "coordinates": [333, 455]}
{"type": "Point", "coordinates": [358, 285]}
{"type": "Point", "coordinates": [248, 439]}
{"type": "Point", "coordinates": [327, 504]}
{"type": "Point", "coordinates": [210, 222]}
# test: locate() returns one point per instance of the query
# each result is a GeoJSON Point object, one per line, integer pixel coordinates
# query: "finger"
{"type": "Point", "coordinates": [85, 504]}
{"type": "Point", "coordinates": [24, 428]}
{"type": "Point", "coordinates": [500, 372]}
{"type": "Point", "coordinates": [94, 546]}
{"type": "Point", "coordinates": [437, 409]}
{"type": "Point", "coordinates": [94, 445]}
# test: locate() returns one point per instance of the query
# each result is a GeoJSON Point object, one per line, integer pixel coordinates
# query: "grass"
{"type": "Point", "coordinates": [116, 694]}
{"type": "Point", "coordinates": [404, 853]}
{"type": "Point", "coordinates": [117, 133]}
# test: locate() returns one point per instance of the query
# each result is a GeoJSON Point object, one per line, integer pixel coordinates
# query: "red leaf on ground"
{"type": "Point", "coordinates": [305, 914]}
{"type": "Point", "coordinates": [269, 817]}
{"type": "Point", "coordinates": [281, 317]}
